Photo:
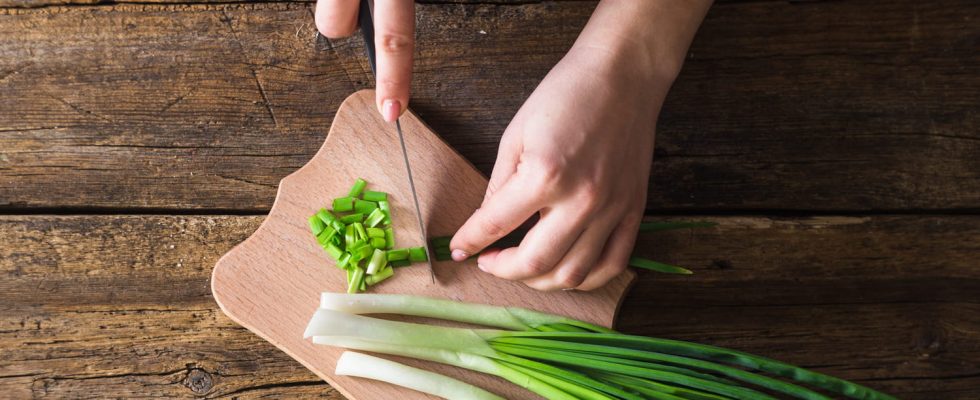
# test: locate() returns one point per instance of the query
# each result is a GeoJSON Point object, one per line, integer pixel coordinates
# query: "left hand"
{"type": "Point", "coordinates": [578, 152]}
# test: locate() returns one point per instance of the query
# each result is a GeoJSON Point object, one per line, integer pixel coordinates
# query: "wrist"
{"type": "Point", "coordinates": [646, 41]}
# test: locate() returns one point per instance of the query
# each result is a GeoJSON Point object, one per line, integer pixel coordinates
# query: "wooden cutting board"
{"type": "Point", "coordinates": [271, 282]}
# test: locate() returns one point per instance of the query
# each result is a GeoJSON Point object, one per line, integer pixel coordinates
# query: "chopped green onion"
{"type": "Point", "coordinates": [400, 263]}
{"type": "Point", "coordinates": [378, 243]}
{"type": "Point", "coordinates": [316, 225]}
{"type": "Point", "coordinates": [343, 204]}
{"type": "Point", "coordinates": [357, 278]}
{"type": "Point", "coordinates": [359, 231]}
{"type": "Point", "coordinates": [377, 261]}
{"type": "Point", "coordinates": [384, 206]}
{"type": "Point", "coordinates": [349, 237]}
{"type": "Point", "coordinates": [362, 252]}
{"type": "Point", "coordinates": [389, 238]}
{"type": "Point", "coordinates": [375, 196]}
{"type": "Point", "coordinates": [325, 235]}
{"type": "Point", "coordinates": [399, 254]}
{"type": "Point", "coordinates": [352, 218]}
{"type": "Point", "coordinates": [344, 261]}
{"type": "Point", "coordinates": [325, 216]}
{"type": "Point", "coordinates": [355, 191]}
{"type": "Point", "coordinates": [337, 225]}
{"type": "Point", "coordinates": [334, 251]}
{"type": "Point", "coordinates": [417, 254]}
{"type": "Point", "coordinates": [376, 232]}
{"type": "Point", "coordinates": [374, 218]}
{"type": "Point", "coordinates": [364, 206]}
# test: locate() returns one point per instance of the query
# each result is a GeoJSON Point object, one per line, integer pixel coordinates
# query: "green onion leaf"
{"type": "Point", "coordinates": [343, 204]}
{"type": "Point", "coordinates": [644, 263]}
{"type": "Point", "coordinates": [417, 254]}
{"type": "Point", "coordinates": [375, 196]}
{"type": "Point", "coordinates": [358, 187]}
{"type": "Point", "coordinates": [364, 206]}
{"type": "Point", "coordinates": [352, 218]}
{"type": "Point", "coordinates": [374, 218]}
{"type": "Point", "coordinates": [376, 232]}
{"type": "Point", "coordinates": [316, 225]}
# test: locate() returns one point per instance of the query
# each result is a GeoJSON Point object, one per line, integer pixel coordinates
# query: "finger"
{"type": "Point", "coordinates": [573, 269]}
{"type": "Point", "coordinates": [616, 255]}
{"type": "Point", "coordinates": [336, 18]}
{"type": "Point", "coordinates": [510, 206]}
{"type": "Point", "coordinates": [394, 28]}
{"type": "Point", "coordinates": [544, 246]}
{"type": "Point", "coordinates": [508, 156]}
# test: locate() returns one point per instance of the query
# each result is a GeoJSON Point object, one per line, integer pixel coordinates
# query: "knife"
{"type": "Point", "coordinates": [366, 23]}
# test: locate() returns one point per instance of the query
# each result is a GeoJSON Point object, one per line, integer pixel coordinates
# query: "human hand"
{"type": "Point", "coordinates": [579, 150]}
{"type": "Point", "coordinates": [394, 39]}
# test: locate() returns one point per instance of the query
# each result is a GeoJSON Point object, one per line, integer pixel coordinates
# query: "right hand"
{"type": "Point", "coordinates": [394, 39]}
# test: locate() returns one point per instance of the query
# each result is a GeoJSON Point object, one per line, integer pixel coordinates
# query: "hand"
{"type": "Point", "coordinates": [394, 39]}
{"type": "Point", "coordinates": [579, 150]}
{"type": "Point", "coordinates": [578, 153]}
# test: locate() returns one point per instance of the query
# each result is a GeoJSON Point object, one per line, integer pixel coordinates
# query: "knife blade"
{"type": "Point", "coordinates": [366, 22]}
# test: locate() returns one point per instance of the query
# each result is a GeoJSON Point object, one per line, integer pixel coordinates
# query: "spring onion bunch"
{"type": "Point", "coordinates": [560, 358]}
{"type": "Point", "coordinates": [440, 245]}
{"type": "Point", "coordinates": [357, 234]}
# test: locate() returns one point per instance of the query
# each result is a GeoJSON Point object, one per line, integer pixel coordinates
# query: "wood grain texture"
{"type": "Point", "coordinates": [831, 105]}
{"type": "Point", "coordinates": [271, 283]}
{"type": "Point", "coordinates": [119, 306]}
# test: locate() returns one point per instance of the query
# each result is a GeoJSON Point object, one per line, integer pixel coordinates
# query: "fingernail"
{"type": "Point", "coordinates": [481, 267]}
{"type": "Point", "coordinates": [390, 111]}
{"type": "Point", "coordinates": [459, 255]}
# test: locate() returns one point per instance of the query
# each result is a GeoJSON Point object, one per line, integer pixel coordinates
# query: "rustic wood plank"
{"type": "Point", "coordinates": [118, 306]}
{"type": "Point", "coordinates": [833, 105]}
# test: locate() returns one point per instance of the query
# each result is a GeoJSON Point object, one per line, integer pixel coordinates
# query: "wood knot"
{"type": "Point", "coordinates": [199, 381]}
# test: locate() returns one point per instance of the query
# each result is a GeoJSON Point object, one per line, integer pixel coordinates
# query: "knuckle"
{"type": "Point", "coordinates": [490, 227]}
{"type": "Point", "coordinates": [396, 43]}
{"type": "Point", "coordinates": [536, 265]}
{"type": "Point", "coordinates": [571, 278]}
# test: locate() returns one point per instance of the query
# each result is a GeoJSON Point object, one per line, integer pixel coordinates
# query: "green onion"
{"type": "Point", "coordinates": [400, 263]}
{"type": "Point", "coordinates": [370, 367]}
{"type": "Point", "coordinates": [377, 261]}
{"type": "Point", "coordinates": [417, 254]}
{"type": "Point", "coordinates": [389, 238]}
{"type": "Point", "coordinates": [355, 191]}
{"type": "Point", "coordinates": [651, 265]}
{"type": "Point", "coordinates": [364, 207]}
{"type": "Point", "coordinates": [352, 218]}
{"type": "Point", "coordinates": [355, 281]}
{"type": "Point", "coordinates": [585, 362]}
{"type": "Point", "coordinates": [326, 216]}
{"type": "Point", "coordinates": [396, 255]}
{"type": "Point", "coordinates": [359, 229]}
{"type": "Point", "coordinates": [334, 251]}
{"type": "Point", "coordinates": [375, 218]}
{"type": "Point", "coordinates": [316, 225]}
{"type": "Point", "coordinates": [381, 275]}
{"type": "Point", "coordinates": [343, 204]}
{"type": "Point", "coordinates": [375, 196]}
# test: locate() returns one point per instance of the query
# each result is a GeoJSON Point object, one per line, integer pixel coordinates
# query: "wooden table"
{"type": "Point", "coordinates": [837, 144]}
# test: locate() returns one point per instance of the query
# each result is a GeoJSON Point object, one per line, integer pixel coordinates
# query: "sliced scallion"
{"type": "Point", "coordinates": [375, 196]}
{"type": "Point", "coordinates": [316, 225]}
{"type": "Point", "coordinates": [357, 188]}
{"type": "Point", "coordinates": [343, 204]}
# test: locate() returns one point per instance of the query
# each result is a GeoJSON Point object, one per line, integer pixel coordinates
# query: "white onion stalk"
{"type": "Point", "coordinates": [564, 359]}
{"type": "Point", "coordinates": [365, 366]}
